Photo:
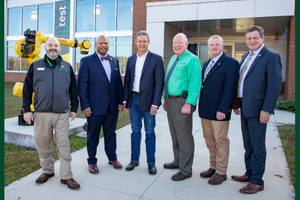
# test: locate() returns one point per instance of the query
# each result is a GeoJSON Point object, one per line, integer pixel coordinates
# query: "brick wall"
{"type": "Point", "coordinates": [14, 77]}
{"type": "Point", "coordinates": [140, 18]}
{"type": "Point", "coordinates": [290, 63]}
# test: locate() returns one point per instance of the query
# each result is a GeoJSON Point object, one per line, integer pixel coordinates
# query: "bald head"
{"type": "Point", "coordinates": [52, 48]}
{"type": "Point", "coordinates": [102, 45]}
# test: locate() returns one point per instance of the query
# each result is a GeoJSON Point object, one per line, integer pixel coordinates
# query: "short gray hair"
{"type": "Point", "coordinates": [142, 33]}
{"type": "Point", "coordinates": [215, 36]}
{"type": "Point", "coordinates": [183, 35]}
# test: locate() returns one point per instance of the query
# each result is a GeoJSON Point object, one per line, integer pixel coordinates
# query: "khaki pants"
{"type": "Point", "coordinates": [44, 124]}
{"type": "Point", "coordinates": [216, 139]}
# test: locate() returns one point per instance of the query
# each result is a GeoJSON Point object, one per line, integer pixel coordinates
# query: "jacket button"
{"type": "Point", "coordinates": [202, 86]}
{"type": "Point", "coordinates": [107, 95]}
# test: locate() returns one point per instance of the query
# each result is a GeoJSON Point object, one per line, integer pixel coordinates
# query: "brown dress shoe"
{"type": "Point", "coordinates": [217, 179]}
{"type": "Point", "coordinates": [170, 166]}
{"type": "Point", "coordinates": [208, 173]}
{"type": "Point", "coordinates": [115, 164]}
{"type": "Point", "coordinates": [43, 178]}
{"type": "Point", "coordinates": [243, 178]}
{"type": "Point", "coordinates": [72, 184]}
{"type": "Point", "coordinates": [93, 168]}
{"type": "Point", "coordinates": [251, 188]}
{"type": "Point", "coordinates": [180, 176]}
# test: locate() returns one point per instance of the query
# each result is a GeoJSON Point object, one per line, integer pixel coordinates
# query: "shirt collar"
{"type": "Point", "coordinates": [217, 57]}
{"type": "Point", "coordinates": [144, 55]}
{"type": "Point", "coordinates": [99, 56]}
{"type": "Point", "coordinates": [258, 50]}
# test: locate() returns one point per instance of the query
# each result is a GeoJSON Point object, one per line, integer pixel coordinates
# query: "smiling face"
{"type": "Point", "coordinates": [142, 42]}
{"type": "Point", "coordinates": [254, 40]}
{"type": "Point", "coordinates": [179, 45]}
{"type": "Point", "coordinates": [52, 48]}
{"type": "Point", "coordinates": [215, 47]}
{"type": "Point", "coordinates": [102, 45]}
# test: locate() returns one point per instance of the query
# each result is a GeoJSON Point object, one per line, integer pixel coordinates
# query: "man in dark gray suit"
{"type": "Point", "coordinates": [258, 88]}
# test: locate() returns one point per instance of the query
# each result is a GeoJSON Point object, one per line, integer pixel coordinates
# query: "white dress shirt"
{"type": "Point", "coordinates": [256, 53]}
{"type": "Point", "coordinates": [140, 60]}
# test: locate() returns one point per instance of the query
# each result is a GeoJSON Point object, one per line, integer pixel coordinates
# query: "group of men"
{"type": "Point", "coordinates": [251, 88]}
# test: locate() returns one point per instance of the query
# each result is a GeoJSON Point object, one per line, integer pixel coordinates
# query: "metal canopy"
{"type": "Point", "coordinates": [231, 27]}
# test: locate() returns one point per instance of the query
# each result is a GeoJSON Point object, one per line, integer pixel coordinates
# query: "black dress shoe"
{"type": "Point", "coordinates": [179, 176]}
{"type": "Point", "coordinates": [131, 165]}
{"type": "Point", "coordinates": [170, 166]}
{"type": "Point", "coordinates": [152, 169]}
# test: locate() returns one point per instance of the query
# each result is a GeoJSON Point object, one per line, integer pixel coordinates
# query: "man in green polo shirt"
{"type": "Point", "coordinates": [182, 87]}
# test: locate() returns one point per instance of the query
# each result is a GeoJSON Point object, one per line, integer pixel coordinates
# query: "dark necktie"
{"type": "Point", "coordinates": [242, 73]}
{"type": "Point", "coordinates": [104, 58]}
{"type": "Point", "coordinates": [168, 76]}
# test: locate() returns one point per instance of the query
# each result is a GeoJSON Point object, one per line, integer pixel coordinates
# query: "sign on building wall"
{"type": "Point", "coordinates": [62, 22]}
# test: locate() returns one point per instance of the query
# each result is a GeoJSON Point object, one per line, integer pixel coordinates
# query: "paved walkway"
{"type": "Point", "coordinates": [138, 184]}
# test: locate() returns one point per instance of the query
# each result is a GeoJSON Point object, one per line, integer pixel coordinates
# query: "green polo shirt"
{"type": "Point", "coordinates": [186, 76]}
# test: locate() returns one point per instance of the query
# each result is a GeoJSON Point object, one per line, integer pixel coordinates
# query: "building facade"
{"type": "Point", "coordinates": [120, 20]}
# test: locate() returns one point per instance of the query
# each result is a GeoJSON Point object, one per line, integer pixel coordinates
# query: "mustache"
{"type": "Point", "coordinates": [52, 50]}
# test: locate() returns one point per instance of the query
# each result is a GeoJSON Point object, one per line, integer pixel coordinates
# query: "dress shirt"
{"type": "Point", "coordinates": [106, 65]}
{"type": "Point", "coordinates": [247, 68]}
{"type": "Point", "coordinates": [186, 76]}
{"type": "Point", "coordinates": [140, 60]}
{"type": "Point", "coordinates": [215, 59]}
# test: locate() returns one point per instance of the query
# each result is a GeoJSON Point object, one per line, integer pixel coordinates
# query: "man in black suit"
{"type": "Point", "coordinates": [258, 88]}
{"type": "Point", "coordinates": [143, 85]}
{"type": "Point", "coordinates": [220, 77]}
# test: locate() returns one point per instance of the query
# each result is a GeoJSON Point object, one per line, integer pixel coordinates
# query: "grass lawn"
{"type": "Point", "coordinates": [287, 136]}
{"type": "Point", "coordinates": [21, 161]}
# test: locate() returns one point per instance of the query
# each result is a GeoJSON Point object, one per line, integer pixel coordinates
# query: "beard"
{"type": "Point", "coordinates": [52, 53]}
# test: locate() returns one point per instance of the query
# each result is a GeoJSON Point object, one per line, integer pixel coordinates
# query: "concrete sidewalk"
{"type": "Point", "coordinates": [138, 184]}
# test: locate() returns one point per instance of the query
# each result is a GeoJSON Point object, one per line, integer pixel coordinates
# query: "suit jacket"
{"type": "Point", "coordinates": [262, 83]}
{"type": "Point", "coordinates": [151, 83]}
{"type": "Point", "coordinates": [219, 89]}
{"type": "Point", "coordinates": [95, 91]}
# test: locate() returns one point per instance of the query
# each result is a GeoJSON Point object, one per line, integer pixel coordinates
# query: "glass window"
{"type": "Point", "coordinates": [78, 55]}
{"type": "Point", "coordinates": [124, 50]}
{"type": "Point", "coordinates": [240, 50]}
{"type": "Point", "coordinates": [85, 15]}
{"type": "Point", "coordinates": [29, 18]}
{"type": "Point", "coordinates": [45, 19]}
{"type": "Point", "coordinates": [13, 59]}
{"type": "Point", "coordinates": [105, 15]}
{"type": "Point", "coordinates": [14, 21]}
{"type": "Point", "coordinates": [125, 9]}
{"type": "Point", "coordinates": [111, 50]}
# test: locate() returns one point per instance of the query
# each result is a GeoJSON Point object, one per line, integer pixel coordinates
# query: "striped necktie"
{"type": "Point", "coordinates": [242, 73]}
{"type": "Point", "coordinates": [208, 69]}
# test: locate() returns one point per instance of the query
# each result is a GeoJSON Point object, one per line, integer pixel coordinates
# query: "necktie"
{"type": "Point", "coordinates": [242, 73]}
{"type": "Point", "coordinates": [207, 70]}
{"type": "Point", "coordinates": [104, 58]}
{"type": "Point", "coordinates": [168, 76]}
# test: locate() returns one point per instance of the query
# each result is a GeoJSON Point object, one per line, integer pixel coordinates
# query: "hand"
{"type": "Point", "coordinates": [264, 117]}
{"type": "Point", "coordinates": [186, 109]}
{"type": "Point", "coordinates": [165, 105]}
{"type": "Point", "coordinates": [120, 108]}
{"type": "Point", "coordinates": [28, 117]}
{"type": "Point", "coordinates": [220, 115]}
{"type": "Point", "coordinates": [153, 110]}
{"type": "Point", "coordinates": [237, 111]}
{"type": "Point", "coordinates": [87, 112]}
{"type": "Point", "coordinates": [73, 115]}
{"type": "Point", "coordinates": [126, 110]}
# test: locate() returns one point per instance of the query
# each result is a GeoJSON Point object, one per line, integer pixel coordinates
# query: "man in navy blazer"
{"type": "Point", "coordinates": [219, 86]}
{"type": "Point", "coordinates": [143, 86]}
{"type": "Point", "coordinates": [259, 87]}
{"type": "Point", "coordinates": [101, 98]}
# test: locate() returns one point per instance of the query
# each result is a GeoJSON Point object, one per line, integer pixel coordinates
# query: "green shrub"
{"type": "Point", "coordinates": [288, 105]}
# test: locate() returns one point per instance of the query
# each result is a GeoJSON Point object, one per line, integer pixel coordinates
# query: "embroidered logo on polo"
{"type": "Point", "coordinates": [62, 67]}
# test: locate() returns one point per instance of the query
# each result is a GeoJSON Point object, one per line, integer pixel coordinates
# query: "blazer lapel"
{"type": "Point", "coordinates": [258, 57]}
{"type": "Point", "coordinates": [216, 65]}
{"type": "Point", "coordinates": [99, 64]}
{"type": "Point", "coordinates": [204, 68]}
{"type": "Point", "coordinates": [113, 68]}
{"type": "Point", "coordinates": [148, 58]}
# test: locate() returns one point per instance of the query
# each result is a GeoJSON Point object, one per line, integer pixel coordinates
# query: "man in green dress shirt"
{"type": "Point", "coordinates": [182, 87]}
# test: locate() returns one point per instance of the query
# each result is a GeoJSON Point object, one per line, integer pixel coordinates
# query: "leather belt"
{"type": "Point", "coordinates": [136, 93]}
{"type": "Point", "coordinates": [172, 97]}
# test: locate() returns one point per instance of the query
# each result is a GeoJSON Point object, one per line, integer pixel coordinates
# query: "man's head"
{"type": "Point", "coordinates": [142, 42]}
{"type": "Point", "coordinates": [52, 48]}
{"type": "Point", "coordinates": [102, 45]}
{"type": "Point", "coordinates": [215, 45]}
{"type": "Point", "coordinates": [254, 37]}
{"type": "Point", "coordinates": [180, 44]}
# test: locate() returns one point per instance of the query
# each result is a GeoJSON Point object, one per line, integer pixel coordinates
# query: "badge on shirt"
{"type": "Point", "coordinates": [181, 64]}
{"type": "Point", "coordinates": [41, 68]}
